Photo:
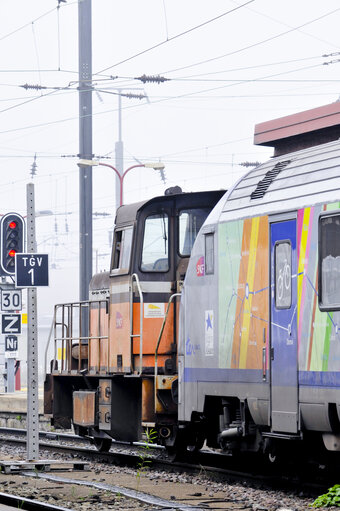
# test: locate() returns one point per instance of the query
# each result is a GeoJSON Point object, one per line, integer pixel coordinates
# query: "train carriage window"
{"type": "Point", "coordinates": [283, 275]}
{"type": "Point", "coordinates": [190, 222]}
{"type": "Point", "coordinates": [122, 250]}
{"type": "Point", "coordinates": [329, 262]}
{"type": "Point", "coordinates": [155, 254]}
{"type": "Point", "coordinates": [209, 253]}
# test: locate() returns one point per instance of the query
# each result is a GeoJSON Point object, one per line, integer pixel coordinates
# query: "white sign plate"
{"type": "Point", "coordinates": [153, 310]}
{"type": "Point", "coordinates": [11, 300]}
{"type": "Point", "coordinates": [11, 354]}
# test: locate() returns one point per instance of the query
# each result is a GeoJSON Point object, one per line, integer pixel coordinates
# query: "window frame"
{"type": "Point", "coordinates": [211, 235]}
{"type": "Point", "coordinates": [121, 271]}
{"type": "Point", "coordinates": [323, 307]}
{"type": "Point", "coordinates": [277, 243]}
{"type": "Point", "coordinates": [178, 216]}
{"type": "Point", "coordinates": [155, 213]}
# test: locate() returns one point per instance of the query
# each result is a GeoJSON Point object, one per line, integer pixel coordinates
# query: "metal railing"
{"type": "Point", "coordinates": [175, 295]}
{"type": "Point", "coordinates": [71, 327]}
{"type": "Point", "coordinates": [134, 277]}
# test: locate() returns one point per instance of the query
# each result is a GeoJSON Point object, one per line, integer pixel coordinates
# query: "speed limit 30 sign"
{"type": "Point", "coordinates": [11, 300]}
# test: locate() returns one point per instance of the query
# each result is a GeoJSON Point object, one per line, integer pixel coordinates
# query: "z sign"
{"type": "Point", "coordinates": [10, 324]}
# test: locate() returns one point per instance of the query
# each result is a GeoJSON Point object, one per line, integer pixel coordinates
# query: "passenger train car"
{"type": "Point", "coordinates": [255, 365]}
{"type": "Point", "coordinates": [259, 352]}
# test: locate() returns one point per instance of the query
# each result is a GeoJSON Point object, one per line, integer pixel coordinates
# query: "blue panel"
{"type": "Point", "coordinates": [284, 321]}
{"type": "Point", "coordinates": [319, 378]}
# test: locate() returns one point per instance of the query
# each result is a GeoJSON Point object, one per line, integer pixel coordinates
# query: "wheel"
{"type": "Point", "coordinates": [102, 444]}
{"type": "Point", "coordinates": [272, 457]}
{"type": "Point", "coordinates": [195, 444]}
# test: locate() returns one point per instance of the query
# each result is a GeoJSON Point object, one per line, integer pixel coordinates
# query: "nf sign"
{"type": "Point", "coordinates": [11, 343]}
{"type": "Point", "coordinates": [31, 270]}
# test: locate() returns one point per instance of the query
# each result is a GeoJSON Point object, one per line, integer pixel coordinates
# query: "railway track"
{"type": "Point", "coordinates": [314, 479]}
{"type": "Point", "coordinates": [16, 502]}
{"type": "Point", "coordinates": [216, 470]}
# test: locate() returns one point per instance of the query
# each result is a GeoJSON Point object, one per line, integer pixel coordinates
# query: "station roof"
{"type": "Point", "coordinates": [300, 130]}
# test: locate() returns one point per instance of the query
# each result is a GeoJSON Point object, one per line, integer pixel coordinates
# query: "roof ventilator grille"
{"type": "Point", "coordinates": [263, 185]}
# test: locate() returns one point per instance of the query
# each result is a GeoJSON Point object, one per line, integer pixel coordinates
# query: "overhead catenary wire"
{"type": "Point", "coordinates": [181, 96]}
{"type": "Point", "coordinates": [265, 15]}
{"type": "Point", "coordinates": [27, 24]}
{"type": "Point", "coordinates": [36, 51]}
{"type": "Point", "coordinates": [253, 45]}
{"type": "Point", "coordinates": [175, 37]}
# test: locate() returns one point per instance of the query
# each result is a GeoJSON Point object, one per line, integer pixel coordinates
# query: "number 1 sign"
{"type": "Point", "coordinates": [31, 270]}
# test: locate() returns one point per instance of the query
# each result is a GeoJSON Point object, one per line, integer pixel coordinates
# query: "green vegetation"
{"type": "Point", "coordinates": [331, 498]}
{"type": "Point", "coordinates": [144, 464]}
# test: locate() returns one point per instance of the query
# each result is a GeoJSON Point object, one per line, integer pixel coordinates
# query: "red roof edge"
{"type": "Point", "coordinates": [270, 133]}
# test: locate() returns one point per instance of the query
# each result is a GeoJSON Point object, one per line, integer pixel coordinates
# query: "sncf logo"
{"type": "Point", "coordinates": [200, 267]}
{"type": "Point", "coordinates": [119, 320]}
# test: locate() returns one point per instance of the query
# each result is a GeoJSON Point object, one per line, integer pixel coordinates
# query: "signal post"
{"type": "Point", "coordinates": [30, 270]}
{"type": "Point", "coordinates": [12, 234]}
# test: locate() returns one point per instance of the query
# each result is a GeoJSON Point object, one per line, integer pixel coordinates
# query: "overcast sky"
{"type": "Point", "coordinates": [230, 65]}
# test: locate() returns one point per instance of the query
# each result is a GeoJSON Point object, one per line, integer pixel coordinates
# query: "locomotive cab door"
{"type": "Point", "coordinates": [283, 338]}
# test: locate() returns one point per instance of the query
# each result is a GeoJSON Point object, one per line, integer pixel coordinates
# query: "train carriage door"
{"type": "Point", "coordinates": [283, 352]}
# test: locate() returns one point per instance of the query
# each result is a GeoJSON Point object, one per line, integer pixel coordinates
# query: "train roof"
{"type": "Point", "coordinates": [287, 182]}
{"type": "Point", "coordinates": [127, 214]}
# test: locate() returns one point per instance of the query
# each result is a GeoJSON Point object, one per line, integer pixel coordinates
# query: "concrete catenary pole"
{"type": "Point", "coordinates": [85, 147]}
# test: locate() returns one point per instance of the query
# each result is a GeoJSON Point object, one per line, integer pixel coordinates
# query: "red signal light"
{"type": "Point", "coordinates": [12, 253]}
{"type": "Point", "coordinates": [12, 225]}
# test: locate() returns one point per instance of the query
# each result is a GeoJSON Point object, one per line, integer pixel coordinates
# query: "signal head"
{"type": "Point", "coordinates": [12, 241]}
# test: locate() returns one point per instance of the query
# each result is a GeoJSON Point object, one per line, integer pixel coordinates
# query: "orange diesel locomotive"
{"type": "Point", "coordinates": [114, 370]}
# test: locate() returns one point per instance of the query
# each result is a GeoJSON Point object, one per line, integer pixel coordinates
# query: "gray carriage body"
{"type": "Point", "coordinates": [259, 342]}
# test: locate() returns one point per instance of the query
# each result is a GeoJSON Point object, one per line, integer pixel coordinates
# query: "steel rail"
{"type": "Point", "coordinates": [17, 502]}
{"type": "Point", "coordinates": [243, 469]}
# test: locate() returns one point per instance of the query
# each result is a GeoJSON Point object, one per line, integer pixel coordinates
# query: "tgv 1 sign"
{"type": "Point", "coordinates": [31, 270]}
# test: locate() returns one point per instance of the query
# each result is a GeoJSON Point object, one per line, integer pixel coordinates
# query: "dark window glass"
{"type": "Point", "coordinates": [190, 222]}
{"type": "Point", "coordinates": [209, 254]}
{"type": "Point", "coordinates": [330, 261]}
{"type": "Point", "coordinates": [122, 253]}
{"type": "Point", "coordinates": [283, 275]}
{"type": "Point", "coordinates": [155, 255]}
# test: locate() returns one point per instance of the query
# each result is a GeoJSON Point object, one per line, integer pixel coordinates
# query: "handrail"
{"type": "Point", "coordinates": [48, 345]}
{"type": "Point", "coordinates": [67, 337]}
{"type": "Point", "coordinates": [160, 337]}
{"type": "Point", "coordinates": [134, 276]}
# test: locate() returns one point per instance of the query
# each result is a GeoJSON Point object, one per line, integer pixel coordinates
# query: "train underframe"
{"type": "Point", "coordinates": [119, 407]}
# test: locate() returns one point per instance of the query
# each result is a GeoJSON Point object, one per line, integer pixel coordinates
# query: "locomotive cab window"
{"type": "Point", "coordinates": [155, 253]}
{"type": "Point", "coordinates": [190, 222]}
{"type": "Point", "coordinates": [329, 262]}
{"type": "Point", "coordinates": [283, 275]}
{"type": "Point", "coordinates": [122, 250]}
